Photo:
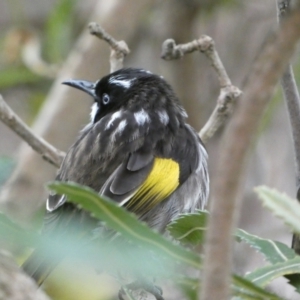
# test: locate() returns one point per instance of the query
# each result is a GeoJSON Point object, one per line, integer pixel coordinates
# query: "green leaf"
{"type": "Point", "coordinates": [59, 30]}
{"type": "Point", "coordinates": [273, 251]}
{"type": "Point", "coordinates": [244, 289]}
{"type": "Point", "coordinates": [265, 275]}
{"type": "Point", "coordinates": [124, 222]}
{"type": "Point", "coordinates": [13, 76]}
{"type": "Point", "coordinates": [189, 228]}
{"type": "Point", "coordinates": [241, 289]}
{"type": "Point", "coordinates": [189, 286]}
{"type": "Point", "coordinates": [281, 205]}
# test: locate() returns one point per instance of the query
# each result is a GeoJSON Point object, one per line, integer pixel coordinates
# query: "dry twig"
{"type": "Point", "coordinates": [236, 144]}
{"type": "Point", "coordinates": [228, 93]}
{"type": "Point", "coordinates": [48, 152]}
{"type": "Point", "coordinates": [54, 156]}
{"type": "Point", "coordinates": [292, 99]}
{"type": "Point", "coordinates": [119, 49]}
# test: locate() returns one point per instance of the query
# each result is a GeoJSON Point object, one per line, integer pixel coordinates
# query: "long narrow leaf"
{"type": "Point", "coordinates": [241, 289]}
{"type": "Point", "coordinates": [281, 205]}
{"type": "Point", "coordinates": [273, 251]}
{"type": "Point", "coordinates": [190, 229]}
{"type": "Point", "coordinates": [245, 289]}
{"type": "Point", "coordinates": [124, 222]}
{"type": "Point", "coordinates": [265, 275]}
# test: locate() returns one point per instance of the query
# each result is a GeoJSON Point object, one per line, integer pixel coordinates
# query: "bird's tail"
{"type": "Point", "coordinates": [38, 266]}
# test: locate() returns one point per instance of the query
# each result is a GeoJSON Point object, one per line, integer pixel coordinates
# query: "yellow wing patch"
{"type": "Point", "coordinates": [160, 183]}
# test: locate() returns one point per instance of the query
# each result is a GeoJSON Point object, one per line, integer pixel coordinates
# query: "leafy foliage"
{"type": "Point", "coordinates": [281, 205]}
{"type": "Point", "coordinates": [59, 30]}
{"type": "Point", "coordinates": [265, 275]}
{"type": "Point", "coordinates": [188, 228]}
{"type": "Point", "coordinates": [146, 252]}
{"type": "Point", "coordinates": [273, 251]}
{"type": "Point", "coordinates": [125, 223]}
{"type": "Point", "coordinates": [13, 76]}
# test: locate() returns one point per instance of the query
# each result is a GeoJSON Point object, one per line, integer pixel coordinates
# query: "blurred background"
{"type": "Point", "coordinates": [44, 42]}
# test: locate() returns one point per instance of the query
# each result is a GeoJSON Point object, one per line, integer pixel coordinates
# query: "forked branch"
{"type": "Point", "coordinates": [119, 49]}
{"type": "Point", "coordinates": [228, 92]}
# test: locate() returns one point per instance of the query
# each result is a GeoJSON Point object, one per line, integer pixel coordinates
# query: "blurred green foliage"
{"type": "Point", "coordinates": [134, 250]}
{"type": "Point", "coordinates": [59, 30]}
{"type": "Point", "coordinates": [15, 75]}
{"type": "Point", "coordinates": [56, 41]}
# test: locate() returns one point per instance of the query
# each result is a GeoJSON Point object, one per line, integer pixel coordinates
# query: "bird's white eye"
{"type": "Point", "coordinates": [105, 99]}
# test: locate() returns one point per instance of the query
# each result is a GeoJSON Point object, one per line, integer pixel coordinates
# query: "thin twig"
{"type": "Point", "coordinates": [228, 93]}
{"type": "Point", "coordinates": [236, 144]}
{"type": "Point", "coordinates": [119, 49]}
{"type": "Point", "coordinates": [48, 152]}
{"type": "Point", "coordinates": [292, 99]}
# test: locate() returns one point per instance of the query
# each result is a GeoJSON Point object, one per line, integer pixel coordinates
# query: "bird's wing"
{"type": "Point", "coordinates": [142, 182]}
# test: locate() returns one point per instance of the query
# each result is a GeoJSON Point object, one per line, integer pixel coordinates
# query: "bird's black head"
{"type": "Point", "coordinates": [132, 89]}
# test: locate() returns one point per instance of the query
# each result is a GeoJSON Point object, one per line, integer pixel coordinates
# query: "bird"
{"type": "Point", "coordinates": [138, 150]}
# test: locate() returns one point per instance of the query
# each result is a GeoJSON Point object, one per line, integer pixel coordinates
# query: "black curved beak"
{"type": "Point", "coordinates": [83, 85]}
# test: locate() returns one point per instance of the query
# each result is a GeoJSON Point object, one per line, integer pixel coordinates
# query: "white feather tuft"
{"type": "Point", "coordinates": [141, 117]}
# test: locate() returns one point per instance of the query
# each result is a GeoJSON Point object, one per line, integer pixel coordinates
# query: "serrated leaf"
{"type": "Point", "coordinates": [265, 275]}
{"type": "Point", "coordinates": [281, 205]}
{"type": "Point", "coordinates": [124, 222]}
{"type": "Point", "coordinates": [245, 289]}
{"type": "Point", "coordinates": [189, 228]}
{"type": "Point", "coordinates": [273, 251]}
{"type": "Point", "coordinates": [241, 289]}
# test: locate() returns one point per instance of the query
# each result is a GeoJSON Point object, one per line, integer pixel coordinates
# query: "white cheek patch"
{"type": "Point", "coordinates": [141, 117]}
{"type": "Point", "coordinates": [94, 111]}
{"type": "Point", "coordinates": [114, 116]}
{"type": "Point", "coordinates": [125, 83]}
{"type": "Point", "coordinates": [163, 117]}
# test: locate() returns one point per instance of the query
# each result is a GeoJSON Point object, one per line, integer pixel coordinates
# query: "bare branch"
{"type": "Point", "coordinates": [240, 134]}
{"type": "Point", "coordinates": [119, 49]}
{"type": "Point", "coordinates": [225, 104]}
{"type": "Point", "coordinates": [48, 152]}
{"type": "Point", "coordinates": [228, 93]}
{"type": "Point", "coordinates": [292, 99]}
